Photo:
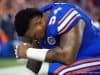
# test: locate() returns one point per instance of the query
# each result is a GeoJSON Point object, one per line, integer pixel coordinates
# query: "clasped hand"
{"type": "Point", "coordinates": [21, 49]}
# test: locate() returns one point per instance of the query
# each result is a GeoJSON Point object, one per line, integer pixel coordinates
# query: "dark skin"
{"type": "Point", "coordinates": [33, 65]}
{"type": "Point", "coordinates": [64, 53]}
{"type": "Point", "coordinates": [68, 48]}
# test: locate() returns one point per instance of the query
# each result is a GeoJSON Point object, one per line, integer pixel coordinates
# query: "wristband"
{"type": "Point", "coordinates": [37, 54]}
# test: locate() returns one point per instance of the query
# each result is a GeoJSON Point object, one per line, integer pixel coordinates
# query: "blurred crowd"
{"type": "Point", "coordinates": [8, 9]}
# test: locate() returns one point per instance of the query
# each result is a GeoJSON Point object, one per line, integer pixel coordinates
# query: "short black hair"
{"type": "Point", "coordinates": [23, 18]}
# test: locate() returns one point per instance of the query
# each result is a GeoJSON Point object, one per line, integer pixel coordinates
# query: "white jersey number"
{"type": "Point", "coordinates": [53, 18]}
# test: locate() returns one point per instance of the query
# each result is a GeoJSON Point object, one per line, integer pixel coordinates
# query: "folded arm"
{"type": "Point", "coordinates": [69, 45]}
{"type": "Point", "coordinates": [64, 53]}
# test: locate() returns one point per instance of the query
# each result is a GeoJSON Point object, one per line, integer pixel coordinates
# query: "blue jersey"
{"type": "Point", "coordinates": [62, 18]}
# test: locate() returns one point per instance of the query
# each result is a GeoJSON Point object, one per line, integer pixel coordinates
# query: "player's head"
{"type": "Point", "coordinates": [30, 23]}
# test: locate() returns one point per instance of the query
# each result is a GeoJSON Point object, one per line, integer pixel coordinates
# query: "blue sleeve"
{"type": "Point", "coordinates": [69, 20]}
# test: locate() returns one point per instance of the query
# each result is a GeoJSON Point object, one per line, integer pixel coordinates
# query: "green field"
{"type": "Point", "coordinates": [9, 62]}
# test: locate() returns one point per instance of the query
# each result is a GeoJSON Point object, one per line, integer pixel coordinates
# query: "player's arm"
{"type": "Point", "coordinates": [64, 53]}
{"type": "Point", "coordinates": [69, 45]}
{"type": "Point", "coordinates": [33, 65]}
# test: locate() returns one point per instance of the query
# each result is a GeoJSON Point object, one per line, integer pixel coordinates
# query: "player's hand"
{"type": "Point", "coordinates": [21, 49]}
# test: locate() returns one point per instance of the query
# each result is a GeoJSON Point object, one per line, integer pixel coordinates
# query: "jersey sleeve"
{"type": "Point", "coordinates": [69, 20]}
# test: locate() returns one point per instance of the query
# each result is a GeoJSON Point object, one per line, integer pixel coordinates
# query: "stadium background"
{"type": "Point", "coordinates": [8, 37]}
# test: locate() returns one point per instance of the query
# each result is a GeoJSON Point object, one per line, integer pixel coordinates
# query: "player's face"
{"type": "Point", "coordinates": [36, 29]}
